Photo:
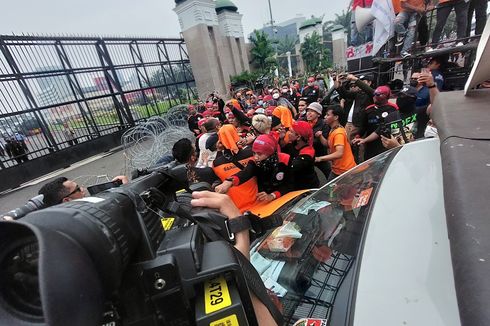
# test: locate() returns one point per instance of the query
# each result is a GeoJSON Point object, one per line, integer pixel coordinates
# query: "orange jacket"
{"type": "Point", "coordinates": [245, 194]}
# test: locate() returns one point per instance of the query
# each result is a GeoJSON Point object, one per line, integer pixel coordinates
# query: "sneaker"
{"type": "Point", "coordinates": [429, 49]}
{"type": "Point", "coordinates": [459, 44]}
{"type": "Point", "coordinates": [400, 38]}
{"type": "Point", "coordinates": [405, 54]}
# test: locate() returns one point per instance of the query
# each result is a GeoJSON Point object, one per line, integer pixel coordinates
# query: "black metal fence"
{"type": "Point", "coordinates": [56, 92]}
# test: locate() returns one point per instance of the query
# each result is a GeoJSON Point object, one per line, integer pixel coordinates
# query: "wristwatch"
{"type": "Point", "coordinates": [240, 223]}
{"type": "Point", "coordinates": [254, 223]}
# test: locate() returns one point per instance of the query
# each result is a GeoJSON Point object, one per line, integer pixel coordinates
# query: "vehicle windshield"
{"type": "Point", "coordinates": [305, 261]}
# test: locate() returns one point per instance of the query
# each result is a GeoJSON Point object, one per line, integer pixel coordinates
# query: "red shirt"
{"type": "Point", "coordinates": [362, 4]}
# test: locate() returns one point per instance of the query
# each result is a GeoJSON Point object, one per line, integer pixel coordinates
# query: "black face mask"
{"type": "Point", "coordinates": [414, 82]}
{"type": "Point", "coordinates": [406, 104]}
{"type": "Point", "coordinates": [269, 163]}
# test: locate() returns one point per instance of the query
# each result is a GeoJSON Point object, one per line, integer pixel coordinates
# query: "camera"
{"type": "Point", "coordinates": [107, 260]}
{"type": "Point", "coordinates": [384, 128]}
{"type": "Point", "coordinates": [32, 205]}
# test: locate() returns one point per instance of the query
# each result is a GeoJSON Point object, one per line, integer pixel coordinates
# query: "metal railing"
{"type": "Point", "coordinates": [56, 92]}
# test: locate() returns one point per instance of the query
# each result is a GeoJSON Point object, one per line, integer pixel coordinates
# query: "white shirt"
{"type": "Point", "coordinates": [206, 157]}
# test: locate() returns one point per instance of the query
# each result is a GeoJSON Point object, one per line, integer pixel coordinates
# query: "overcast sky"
{"type": "Point", "coordinates": [139, 17]}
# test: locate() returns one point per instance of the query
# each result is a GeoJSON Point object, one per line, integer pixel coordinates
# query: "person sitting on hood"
{"type": "Point", "coordinates": [230, 160]}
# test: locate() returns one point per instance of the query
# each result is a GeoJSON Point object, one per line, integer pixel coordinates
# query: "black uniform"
{"type": "Point", "coordinates": [273, 175]}
{"type": "Point", "coordinates": [371, 120]}
{"type": "Point", "coordinates": [312, 93]}
{"type": "Point", "coordinates": [17, 150]}
{"type": "Point", "coordinates": [303, 167]}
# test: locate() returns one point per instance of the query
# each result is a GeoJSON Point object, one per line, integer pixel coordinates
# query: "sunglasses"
{"type": "Point", "coordinates": [379, 94]}
{"type": "Point", "coordinates": [77, 189]}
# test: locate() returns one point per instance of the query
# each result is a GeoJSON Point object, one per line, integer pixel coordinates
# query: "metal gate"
{"type": "Point", "coordinates": [58, 92]}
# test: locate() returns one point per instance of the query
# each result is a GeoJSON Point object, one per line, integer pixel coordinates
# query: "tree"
{"type": "Point", "coordinates": [246, 79]}
{"type": "Point", "coordinates": [262, 49]}
{"type": "Point", "coordinates": [286, 44]}
{"type": "Point", "coordinates": [315, 55]}
{"type": "Point", "coordinates": [343, 19]}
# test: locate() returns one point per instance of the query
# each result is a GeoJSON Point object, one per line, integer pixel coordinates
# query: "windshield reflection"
{"type": "Point", "coordinates": [304, 262]}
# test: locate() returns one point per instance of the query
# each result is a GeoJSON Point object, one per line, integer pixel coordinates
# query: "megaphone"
{"type": "Point", "coordinates": [363, 17]}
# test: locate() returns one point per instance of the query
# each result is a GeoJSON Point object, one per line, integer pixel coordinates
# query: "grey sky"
{"type": "Point", "coordinates": [139, 17]}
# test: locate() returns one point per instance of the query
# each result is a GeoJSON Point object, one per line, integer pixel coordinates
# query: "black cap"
{"type": "Point", "coordinates": [408, 91]}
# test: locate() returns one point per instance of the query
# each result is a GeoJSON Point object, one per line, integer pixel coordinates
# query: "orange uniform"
{"type": "Point", "coordinates": [397, 6]}
{"type": "Point", "coordinates": [245, 194]}
{"type": "Point", "coordinates": [231, 161]}
{"type": "Point", "coordinates": [415, 3]}
{"type": "Point", "coordinates": [338, 136]}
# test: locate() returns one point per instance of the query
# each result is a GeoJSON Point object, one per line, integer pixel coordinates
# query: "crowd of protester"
{"type": "Point", "coordinates": [261, 144]}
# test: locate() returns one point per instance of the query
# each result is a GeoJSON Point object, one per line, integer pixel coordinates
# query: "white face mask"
{"type": "Point", "coordinates": [310, 84]}
{"type": "Point", "coordinates": [260, 102]}
{"type": "Point", "coordinates": [275, 96]}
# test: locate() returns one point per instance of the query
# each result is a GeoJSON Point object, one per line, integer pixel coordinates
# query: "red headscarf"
{"type": "Point", "coordinates": [265, 144]}
{"type": "Point", "coordinates": [304, 130]}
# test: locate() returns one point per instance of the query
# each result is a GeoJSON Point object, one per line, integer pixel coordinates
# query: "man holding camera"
{"type": "Point", "coordinates": [361, 95]}
{"type": "Point", "coordinates": [372, 119]}
{"type": "Point", "coordinates": [402, 123]}
{"type": "Point", "coordinates": [62, 190]}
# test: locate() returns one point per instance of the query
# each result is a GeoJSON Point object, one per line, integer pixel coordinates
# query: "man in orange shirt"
{"type": "Point", "coordinates": [340, 152]}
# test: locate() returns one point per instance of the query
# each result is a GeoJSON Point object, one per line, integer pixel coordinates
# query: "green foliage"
{"type": "Point", "coordinates": [262, 49]}
{"type": "Point", "coordinates": [315, 54]}
{"type": "Point", "coordinates": [286, 44]}
{"type": "Point", "coordinates": [246, 78]}
{"type": "Point", "coordinates": [343, 19]}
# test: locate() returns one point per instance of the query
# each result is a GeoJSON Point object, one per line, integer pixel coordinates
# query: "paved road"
{"type": "Point", "coordinates": [112, 164]}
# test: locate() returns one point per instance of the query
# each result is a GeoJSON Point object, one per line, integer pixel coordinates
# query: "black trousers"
{"type": "Point", "coordinates": [332, 176]}
{"type": "Point", "coordinates": [461, 9]}
{"type": "Point", "coordinates": [479, 7]}
{"type": "Point", "coordinates": [324, 167]}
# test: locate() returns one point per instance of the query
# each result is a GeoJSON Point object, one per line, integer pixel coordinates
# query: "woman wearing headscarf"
{"type": "Point", "coordinates": [282, 120]}
{"type": "Point", "coordinates": [231, 160]}
{"type": "Point", "coordinates": [271, 169]}
{"type": "Point", "coordinates": [242, 129]}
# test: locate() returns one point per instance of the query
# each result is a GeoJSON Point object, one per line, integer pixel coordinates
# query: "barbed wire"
{"type": "Point", "coordinates": [145, 144]}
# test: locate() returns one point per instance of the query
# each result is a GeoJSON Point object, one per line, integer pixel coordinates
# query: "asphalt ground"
{"type": "Point", "coordinates": [109, 164]}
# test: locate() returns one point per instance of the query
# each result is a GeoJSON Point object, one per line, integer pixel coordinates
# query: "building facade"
{"type": "Point", "coordinates": [215, 43]}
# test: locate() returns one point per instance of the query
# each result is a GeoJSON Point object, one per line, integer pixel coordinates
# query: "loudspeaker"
{"type": "Point", "coordinates": [363, 17]}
